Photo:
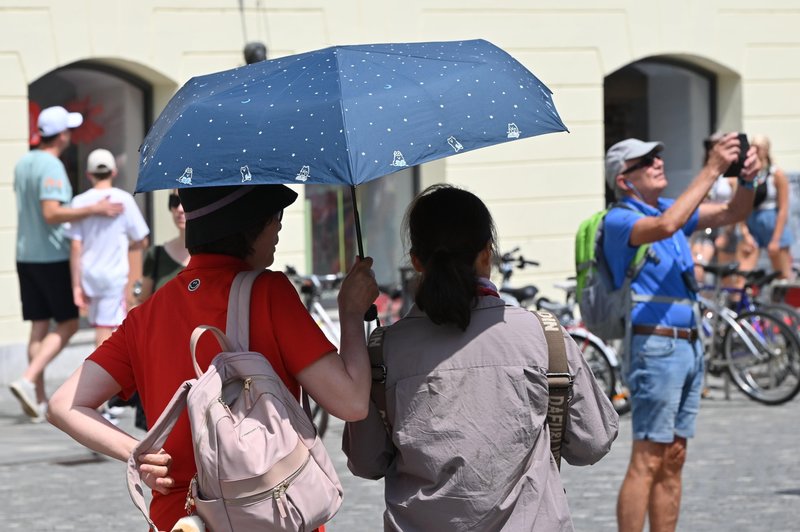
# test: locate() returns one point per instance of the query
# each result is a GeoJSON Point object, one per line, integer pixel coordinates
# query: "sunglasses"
{"type": "Point", "coordinates": [174, 201]}
{"type": "Point", "coordinates": [646, 162]}
{"type": "Point", "coordinates": [278, 216]}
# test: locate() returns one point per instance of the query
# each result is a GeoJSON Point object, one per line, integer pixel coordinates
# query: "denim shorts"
{"type": "Point", "coordinates": [665, 378]}
{"type": "Point", "coordinates": [762, 224]}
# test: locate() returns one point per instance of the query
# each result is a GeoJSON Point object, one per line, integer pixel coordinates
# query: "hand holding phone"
{"type": "Point", "coordinates": [736, 167]}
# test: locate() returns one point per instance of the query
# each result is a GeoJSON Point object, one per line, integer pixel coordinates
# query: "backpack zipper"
{"type": "Point", "coordinates": [246, 391]}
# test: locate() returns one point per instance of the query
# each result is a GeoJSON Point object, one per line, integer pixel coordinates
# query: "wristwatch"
{"type": "Point", "coordinates": [749, 185]}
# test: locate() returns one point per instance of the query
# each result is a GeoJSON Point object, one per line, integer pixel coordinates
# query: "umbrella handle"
{"type": "Point", "coordinates": [372, 312]}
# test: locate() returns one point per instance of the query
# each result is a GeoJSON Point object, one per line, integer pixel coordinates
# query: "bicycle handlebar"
{"type": "Point", "coordinates": [757, 278]}
{"type": "Point", "coordinates": [314, 282]}
{"type": "Point", "coordinates": [521, 261]}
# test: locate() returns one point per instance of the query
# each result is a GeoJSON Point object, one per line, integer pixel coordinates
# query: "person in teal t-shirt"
{"type": "Point", "coordinates": [42, 189]}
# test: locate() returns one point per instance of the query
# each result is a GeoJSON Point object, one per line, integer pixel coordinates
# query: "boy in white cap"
{"type": "Point", "coordinates": [42, 191]}
{"type": "Point", "coordinates": [99, 260]}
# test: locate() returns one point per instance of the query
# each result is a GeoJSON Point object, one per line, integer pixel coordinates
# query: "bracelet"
{"type": "Point", "coordinates": [749, 185]}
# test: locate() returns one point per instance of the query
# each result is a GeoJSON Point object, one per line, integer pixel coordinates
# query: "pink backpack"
{"type": "Point", "coordinates": [260, 463]}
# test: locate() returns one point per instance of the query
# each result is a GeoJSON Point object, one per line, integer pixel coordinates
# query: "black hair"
{"type": "Point", "coordinates": [102, 175]}
{"type": "Point", "coordinates": [446, 228]}
{"type": "Point", "coordinates": [238, 245]}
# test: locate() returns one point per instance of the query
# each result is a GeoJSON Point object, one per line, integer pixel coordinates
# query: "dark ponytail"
{"type": "Point", "coordinates": [447, 228]}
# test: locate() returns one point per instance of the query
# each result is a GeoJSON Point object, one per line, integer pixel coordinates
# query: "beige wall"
{"type": "Point", "coordinates": [539, 189]}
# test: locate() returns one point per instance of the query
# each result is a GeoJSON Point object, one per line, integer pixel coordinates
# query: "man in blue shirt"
{"type": "Point", "coordinates": [43, 191]}
{"type": "Point", "coordinates": [664, 369]}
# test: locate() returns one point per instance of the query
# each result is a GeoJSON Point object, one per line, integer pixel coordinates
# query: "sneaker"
{"type": "Point", "coordinates": [111, 418]}
{"type": "Point", "coordinates": [42, 413]}
{"type": "Point", "coordinates": [115, 411]}
{"type": "Point", "coordinates": [25, 392]}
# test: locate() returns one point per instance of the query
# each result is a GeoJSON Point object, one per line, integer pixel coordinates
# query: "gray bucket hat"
{"type": "Point", "coordinates": [625, 150]}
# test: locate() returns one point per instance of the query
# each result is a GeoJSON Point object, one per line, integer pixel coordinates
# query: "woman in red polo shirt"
{"type": "Point", "coordinates": [228, 230]}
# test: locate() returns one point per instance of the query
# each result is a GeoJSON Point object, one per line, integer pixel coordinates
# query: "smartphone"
{"type": "Point", "coordinates": [736, 167]}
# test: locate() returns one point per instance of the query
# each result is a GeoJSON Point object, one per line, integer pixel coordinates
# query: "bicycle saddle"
{"type": "Point", "coordinates": [559, 309]}
{"type": "Point", "coordinates": [521, 294]}
{"type": "Point", "coordinates": [760, 277]}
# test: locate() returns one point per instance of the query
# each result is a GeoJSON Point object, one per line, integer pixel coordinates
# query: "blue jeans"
{"type": "Point", "coordinates": [665, 378]}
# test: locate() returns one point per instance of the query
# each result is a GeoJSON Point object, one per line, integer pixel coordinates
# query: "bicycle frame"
{"type": "Point", "coordinates": [729, 317]}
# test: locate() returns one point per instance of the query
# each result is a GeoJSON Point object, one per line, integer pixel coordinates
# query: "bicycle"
{"type": "Point", "coordinates": [755, 349]}
{"type": "Point", "coordinates": [312, 288]}
{"type": "Point", "coordinates": [601, 357]}
{"type": "Point", "coordinates": [758, 292]}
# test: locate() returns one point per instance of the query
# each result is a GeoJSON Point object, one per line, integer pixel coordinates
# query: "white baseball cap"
{"type": "Point", "coordinates": [101, 161]}
{"type": "Point", "coordinates": [54, 120]}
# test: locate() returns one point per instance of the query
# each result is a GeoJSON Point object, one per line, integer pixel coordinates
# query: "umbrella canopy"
{"type": "Point", "coordinates": [343, 115]}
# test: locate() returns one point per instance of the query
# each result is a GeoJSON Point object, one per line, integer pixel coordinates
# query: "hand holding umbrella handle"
{"type": "Point", "coordinates": [372, 312]}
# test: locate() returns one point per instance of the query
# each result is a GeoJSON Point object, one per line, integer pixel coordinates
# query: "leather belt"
{"type": "Point", "coordinates": [670, 332]}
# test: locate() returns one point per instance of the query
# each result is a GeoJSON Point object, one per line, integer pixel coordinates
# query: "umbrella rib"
{"type": "Point", "coordinates": [340, 103]}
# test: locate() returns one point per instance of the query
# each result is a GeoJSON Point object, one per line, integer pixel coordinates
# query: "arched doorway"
{"type": "Point", "coordinates": [116, 107]}
{"type": "Point", "coordinates": [666, 100]}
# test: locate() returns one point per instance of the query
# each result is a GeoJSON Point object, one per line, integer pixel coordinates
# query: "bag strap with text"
{"type": "Point", "coordinates": [378, 390]}
{"type": "Point", "coordinates": [559, 380]}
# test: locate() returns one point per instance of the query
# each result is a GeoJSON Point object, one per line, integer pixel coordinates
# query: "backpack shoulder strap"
{"type": "Point", "coordinates": [559, 380]}
{"type": "Point", "coordinates": [643, 252]}
{"type": "Point", "coordinates": [378, 389]}
{"type": "Point", "coordinates": [152, 442]}
{"type": "Point", "coordinates": [237, 327]}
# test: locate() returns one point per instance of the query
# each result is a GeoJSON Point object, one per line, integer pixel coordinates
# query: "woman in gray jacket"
{"type": "Point", "coordinates": [465, 445]}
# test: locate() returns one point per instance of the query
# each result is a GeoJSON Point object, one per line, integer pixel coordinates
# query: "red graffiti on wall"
{"type": "Point", "coordinates": [85, 134]}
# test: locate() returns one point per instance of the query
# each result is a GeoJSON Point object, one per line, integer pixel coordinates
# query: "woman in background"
{"type": "Point", "coordinates": [769, 221]}
{"type": "Point", "coordinates": [162, 263]}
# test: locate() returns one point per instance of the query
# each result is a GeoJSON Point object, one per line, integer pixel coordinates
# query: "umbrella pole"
{"type": "Point", "coordinates": [358, 222]}
{"type": "Point", "coordinates": [372, 313]}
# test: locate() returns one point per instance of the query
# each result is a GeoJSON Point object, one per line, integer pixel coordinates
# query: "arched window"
{"type": "Point", "coordinates": [659, 99]}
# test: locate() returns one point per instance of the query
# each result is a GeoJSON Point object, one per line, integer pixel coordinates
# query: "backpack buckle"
{"type": "Point", "coordinates": [379, 373]}
{"type": "Point", "coordinates": [559, 380]}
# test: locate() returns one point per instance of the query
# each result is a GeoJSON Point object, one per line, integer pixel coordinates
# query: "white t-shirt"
{"type": "Point", "coordinates": [104, 256]}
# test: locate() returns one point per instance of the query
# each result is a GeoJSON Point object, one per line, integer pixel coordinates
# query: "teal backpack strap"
{"type": "Point", "coordinates": [559, 380]}
{"type": "Point", "coordinates": [378, 390]}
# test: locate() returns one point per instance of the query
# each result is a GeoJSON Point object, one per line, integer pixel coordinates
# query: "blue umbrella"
{"type": "Point", "coordinates": [343, 115]}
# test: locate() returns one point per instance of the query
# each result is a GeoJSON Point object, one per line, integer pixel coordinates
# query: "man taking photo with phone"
{"type": "Point", "coordinates": [664, 366]}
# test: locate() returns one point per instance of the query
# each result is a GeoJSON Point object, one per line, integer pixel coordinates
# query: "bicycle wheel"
{"type": "Point", "coordinates": [787, 313]}
{"type": "Point", "coordinates": [764, 359]}
{"type": "Point", "coordinates": [601, 367]}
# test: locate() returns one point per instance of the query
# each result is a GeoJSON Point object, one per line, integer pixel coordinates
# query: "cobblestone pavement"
{"type": "Point", "coordinates": [742, 474]}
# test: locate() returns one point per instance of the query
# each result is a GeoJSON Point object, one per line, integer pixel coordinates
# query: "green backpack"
{"type": "Point", "coordinates": [604, 308]}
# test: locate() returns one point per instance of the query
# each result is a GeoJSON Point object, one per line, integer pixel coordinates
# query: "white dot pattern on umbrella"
{"type": "Point", "coordinates": [343, 115]}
